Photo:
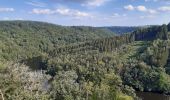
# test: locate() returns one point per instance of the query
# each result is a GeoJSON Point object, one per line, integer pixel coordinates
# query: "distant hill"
{"type": "Point", "coordinates": [121, 29]}
{"type": "Point", "coordinates": [18, 37]}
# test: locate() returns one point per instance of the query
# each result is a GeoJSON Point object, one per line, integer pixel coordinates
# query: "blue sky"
{"type": "Point", "coordinates": [88, 12]}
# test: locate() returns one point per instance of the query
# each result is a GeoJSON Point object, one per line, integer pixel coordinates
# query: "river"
{"type": "Point", "coordinates": [152, 96]}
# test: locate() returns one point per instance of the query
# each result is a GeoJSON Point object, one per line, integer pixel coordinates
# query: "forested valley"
{"type": "Point", "coordinates": [43, 61]}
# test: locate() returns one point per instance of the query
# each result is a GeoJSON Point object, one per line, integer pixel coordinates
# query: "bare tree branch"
{"type": "Point", "coordinates": [2, 96]}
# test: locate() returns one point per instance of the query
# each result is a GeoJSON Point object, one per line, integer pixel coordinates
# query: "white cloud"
{"type": "Point", "coordinates": [61, 11]}
{"type": "Point", "coordinates": [72, 12]}
{"type": "Point", "coordinates": [144, 9]}
{"type": "Point", "coordinates": [114, 16]}
{"type": "Point", "coordinates": [140, 8]}
{"type": "Point", "coordinates": [129, 7]}
{"type": "Point", "coordinates": [151, 0]}
{"type": "Point", "coordinates": [152, 11]}
{"type": "Point", "coordinates": [118, 15]}
{"type": "Point", "coordinates": [81, 14]}
{"type": "Point", "coordinates": [148, 16]}
{"type": "Point", "coordinates": [42, 11]}
{"type": "Point", "coordinates": [157, 0]}
{"type": "Point", "coordinates": [6, 9]}
{"type": "Point", "coordinates": [94, 3]}
{"type": "Point", "coordinates": [35, 3]}
{"type": "Point", "coordinates": [88, 3]}
{"type": "Point", "coordinates": [164, 8]}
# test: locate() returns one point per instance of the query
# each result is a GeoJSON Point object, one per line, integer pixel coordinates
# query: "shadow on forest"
{"type": "Point", "coordinates": [142, 47]}
{"type": "Point", "coordinates": [36, 63]}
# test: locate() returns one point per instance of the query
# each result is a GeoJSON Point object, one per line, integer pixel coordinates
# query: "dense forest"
{"type": "Point", "coordinates": [43, 61]}
{"type": "Point", "coordinates": [122, 29]}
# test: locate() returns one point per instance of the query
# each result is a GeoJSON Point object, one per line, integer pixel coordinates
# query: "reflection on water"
{"type": "Point", "coordinates": [152, 96]}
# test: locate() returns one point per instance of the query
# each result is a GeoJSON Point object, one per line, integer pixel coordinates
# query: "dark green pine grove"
{"type": "Point", "coordinates": [42, 61]}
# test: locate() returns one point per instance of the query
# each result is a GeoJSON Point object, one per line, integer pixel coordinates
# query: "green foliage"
{"type": "Point", "coordinates": [81, 63]}
{"type": "Point", "coordinates": [151, 33]}
{"type": "Point", "coordinates": [26, 39]}
{"type": "Point", "coordinates": [18, 82]}
{"type": "Point", "coordinates": [156, 54]}
{"type": "Point", "coordinates": [164, 82]}
{"type": "Point", "coordinates": [121, 30]}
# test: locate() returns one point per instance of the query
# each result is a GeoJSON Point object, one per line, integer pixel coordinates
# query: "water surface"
{"type": "Point", "coordinates": [152, 96]}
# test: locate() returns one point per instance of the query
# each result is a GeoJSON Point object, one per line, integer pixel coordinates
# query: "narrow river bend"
{"type": "Point", "coordinates": [152, 96]}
